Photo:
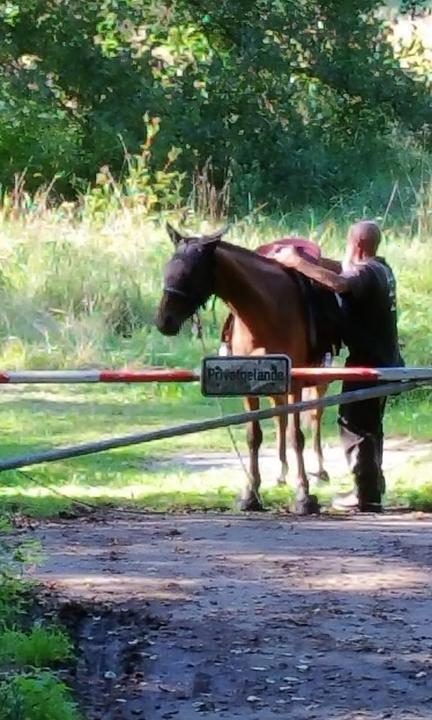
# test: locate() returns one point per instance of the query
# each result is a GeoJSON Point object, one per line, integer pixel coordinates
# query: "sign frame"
{"type": "Point", "coordinates": [263, 387]}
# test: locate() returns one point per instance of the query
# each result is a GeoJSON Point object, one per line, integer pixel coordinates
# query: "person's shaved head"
{"type": "Point", "coordinates": [363, 240]}
{"type": "Point", "coordinates": [364, 236]}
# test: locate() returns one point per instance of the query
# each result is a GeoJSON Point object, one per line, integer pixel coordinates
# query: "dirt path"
{"type": "Point", "coordinates": [252, 618]}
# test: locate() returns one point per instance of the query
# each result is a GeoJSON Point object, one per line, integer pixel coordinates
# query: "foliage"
{"type": "Point", "coordinates": [25, 695]}
{"type": "Point", "coordinates": [39, 696]}
{"type": "Point", "coordinates": [78, 295]}
{"type": "Point", "coordinates": [270, 90]}
{"type": "Point", "coordinates": [140, 186]}
{"type": "Point", "coordinates": [39, 647]}
{"type": "Point", "coordinates": [75, 294]}
{"type": "Point", "coordinates": [13, 561]}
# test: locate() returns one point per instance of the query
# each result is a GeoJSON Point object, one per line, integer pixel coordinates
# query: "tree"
{"type": "Point", "coordinates": [298, 97]}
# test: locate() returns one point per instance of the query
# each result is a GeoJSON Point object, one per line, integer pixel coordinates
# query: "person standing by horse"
{"type": "Point", "coordinates": [367, 288]}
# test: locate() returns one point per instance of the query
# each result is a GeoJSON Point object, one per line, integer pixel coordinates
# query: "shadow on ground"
{"type": "Point", "coordinates": [211, 616]}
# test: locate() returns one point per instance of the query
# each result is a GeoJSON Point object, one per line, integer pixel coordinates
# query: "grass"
{"type": "Point", "coordinates": [75, 295]}
{"type": "Point", "coordinates": [156, 476]}
{"type": "Point", "coordinates": [30, 688]}
{"type": "Point", "coordinates": [37, 696]}
{"type": "Point", "coordinates": [40, 647]}
{"type": "Point", "coordinates": [78, 294]}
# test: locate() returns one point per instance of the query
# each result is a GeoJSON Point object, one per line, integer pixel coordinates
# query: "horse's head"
{"type": "Point", "coordinates": [189, 280]}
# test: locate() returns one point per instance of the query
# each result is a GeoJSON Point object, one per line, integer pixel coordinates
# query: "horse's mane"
{"type": "Point", "coordinates": [256, 258]}
{"type": "Point", "coordinates": [242, 250]}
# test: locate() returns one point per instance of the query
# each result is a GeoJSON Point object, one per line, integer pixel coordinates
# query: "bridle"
{"type": "Point", "coordinates": [173, 291]}
{"type": "Point", "coordinates": [196, 320]}
{"type": "Point", "coordinates": [195, 303]}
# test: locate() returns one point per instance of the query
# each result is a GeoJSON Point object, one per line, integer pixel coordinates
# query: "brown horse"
{"type": "Point", "coordinates": [312, 417]}
{"type": "Point", "coordinates": [269, 313]}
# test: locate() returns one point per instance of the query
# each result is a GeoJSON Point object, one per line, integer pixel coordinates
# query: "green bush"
{"type": "Point", "coordinates": [272, 92]}
{"type": "Point", "coordinates": [38, 696]}
{"type": "Point", "coordinates": [39, 647]}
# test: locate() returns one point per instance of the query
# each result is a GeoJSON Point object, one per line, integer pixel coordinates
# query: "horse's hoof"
{"type": "Point", "coordinates": [323, 476]}
{"type": "Point", "coordinates": [308, 506]}
{"type": "Point", "coordinates": [251, 503]}
{"type": "Point", "coordinates": [281, 482]}
{"type": "Point", "coordinates": [320, 476]}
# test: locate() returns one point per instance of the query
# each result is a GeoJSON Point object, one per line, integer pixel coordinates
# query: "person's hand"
{"type": "Point", "coordinates": [288, 256]}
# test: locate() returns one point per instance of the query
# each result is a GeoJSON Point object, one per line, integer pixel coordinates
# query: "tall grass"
{"type": "Point", "coordinates": [79, 293]}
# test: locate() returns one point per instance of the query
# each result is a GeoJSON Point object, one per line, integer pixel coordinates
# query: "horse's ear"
{"type": "Point", "coordinates": [174, 235]}
{"type": "Point", "coordinates": [216, 236]}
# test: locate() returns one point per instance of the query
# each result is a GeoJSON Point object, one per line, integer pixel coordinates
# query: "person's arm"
{"type": "Point", "coordinates": [330, 279]}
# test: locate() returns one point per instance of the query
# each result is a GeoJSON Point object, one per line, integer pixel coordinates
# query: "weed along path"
{"type": "Point", "coordinates": [251, 617]}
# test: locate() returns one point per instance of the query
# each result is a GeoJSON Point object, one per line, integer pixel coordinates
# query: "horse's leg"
{"type": "Point", "coordinates": [251, 499]}
{"type": "Point", "coordinates": [305, 503]}
{"type": "Point", "coordinates": [281, 430]}
{"type": "Point", "coordinates": [315, 420]}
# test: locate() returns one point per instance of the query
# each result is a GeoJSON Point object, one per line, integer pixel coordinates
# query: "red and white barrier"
{"type": "Point", "coordinates": [98, 376]}
{"type": "Point", "coordinates": [320, 375]}
{"type": "Point", "coordinates": [362, 374]}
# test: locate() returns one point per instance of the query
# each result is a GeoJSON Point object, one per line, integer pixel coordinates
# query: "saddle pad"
{"type": "Point", "coordinates": [306, 247]}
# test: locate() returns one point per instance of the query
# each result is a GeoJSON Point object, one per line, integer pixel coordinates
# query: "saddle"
{"type": "Point", "coordinates": [323, 315]}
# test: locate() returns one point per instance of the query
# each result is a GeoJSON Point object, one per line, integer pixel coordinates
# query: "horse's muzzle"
{"type": "Point", "coordinates": [167, 325]}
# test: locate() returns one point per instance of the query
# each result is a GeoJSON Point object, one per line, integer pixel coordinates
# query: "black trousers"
{"type": "Point", "coordinates": [361, 431]}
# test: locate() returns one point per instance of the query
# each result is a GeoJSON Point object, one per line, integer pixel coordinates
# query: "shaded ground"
{"type": "Point", "coordinates": [188, 616]}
